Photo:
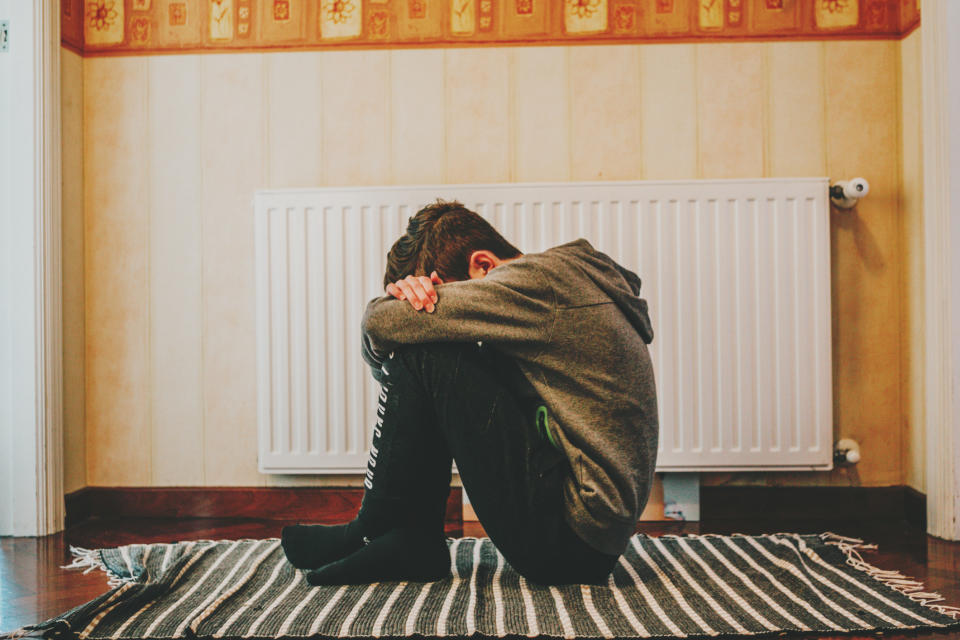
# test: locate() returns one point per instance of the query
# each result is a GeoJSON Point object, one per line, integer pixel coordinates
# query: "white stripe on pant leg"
{"type": "Point", "coordinates": [377, 433]}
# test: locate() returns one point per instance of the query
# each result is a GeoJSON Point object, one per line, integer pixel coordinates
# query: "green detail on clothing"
{"type": "Point", "coordinates": [543, 424]}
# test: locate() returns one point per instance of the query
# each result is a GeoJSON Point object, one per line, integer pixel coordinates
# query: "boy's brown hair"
{"type": "Point", "coordinates": [441, 237]}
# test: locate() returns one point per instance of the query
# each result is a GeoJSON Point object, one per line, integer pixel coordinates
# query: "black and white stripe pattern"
{"type": "Point", "coordinates": [668, 587]}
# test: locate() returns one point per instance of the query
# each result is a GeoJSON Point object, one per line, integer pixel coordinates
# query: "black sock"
{"type": "Point", "coordinates": [400, 554]}
{"type": "Point", "coordinates": [309, 546]}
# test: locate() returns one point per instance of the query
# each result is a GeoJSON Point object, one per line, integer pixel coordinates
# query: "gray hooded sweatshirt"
{"type": "Point", "coordinates": [572, 319]}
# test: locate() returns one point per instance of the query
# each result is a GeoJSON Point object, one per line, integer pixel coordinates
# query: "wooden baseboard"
{"type": "Point", "coordinates": [307, 504]}
{"type": "Point", "coordinates": [915, 507]}
{"type": "Point", "coordinates": [340, 504]}
{"type": "Point", "coordinates": [813, 503]}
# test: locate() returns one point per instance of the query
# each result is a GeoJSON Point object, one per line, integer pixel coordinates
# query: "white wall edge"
{"type": "Point", "coordinates": [32, 427]}
{"type": "Point", "coordinates": [940, 43]}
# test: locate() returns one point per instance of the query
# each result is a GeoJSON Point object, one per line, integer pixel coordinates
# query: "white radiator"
{"type": "Point", "coordinates": [736, 273]}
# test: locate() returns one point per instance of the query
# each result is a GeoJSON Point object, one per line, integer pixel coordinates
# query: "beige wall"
{"type": "Point", "coordinates": [74, 433]}
{"type": "Point", "coordinates": [174, 147]}
{"type": "Point", "coordinates": [911, 220]}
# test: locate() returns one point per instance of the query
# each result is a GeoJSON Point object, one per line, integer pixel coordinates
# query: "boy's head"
{"type": "Point", "coordinates": [444, 237]}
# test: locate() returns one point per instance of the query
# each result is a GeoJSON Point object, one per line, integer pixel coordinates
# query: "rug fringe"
{"type": "Point", "coordinates": [90, 559]}
{"type": "Point", "coordinates": [913, 589]}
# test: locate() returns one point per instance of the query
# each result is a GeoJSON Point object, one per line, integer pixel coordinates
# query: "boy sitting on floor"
{"type": "Point", "coordinates": [532, 372]}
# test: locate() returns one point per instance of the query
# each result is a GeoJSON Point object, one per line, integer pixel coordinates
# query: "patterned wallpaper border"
{"type": "Point", "coordinates": [131, 27]}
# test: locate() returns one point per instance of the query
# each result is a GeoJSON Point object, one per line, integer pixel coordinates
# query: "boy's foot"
{"type": "Point", "coordinates": [309, 546]}
{"type": "Point", "coordinates": [400, 554]}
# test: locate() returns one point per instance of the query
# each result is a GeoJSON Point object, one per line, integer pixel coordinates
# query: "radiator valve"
{"type": "Point", "coordinates": [847, 193]}
{"type": "Point", "coordinates": [847, 451]}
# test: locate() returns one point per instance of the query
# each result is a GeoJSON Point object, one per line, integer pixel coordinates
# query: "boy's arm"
{"type": "Point", "coordinates": [514, 303]}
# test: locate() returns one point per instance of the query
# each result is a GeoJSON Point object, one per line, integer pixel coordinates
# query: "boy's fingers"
{"type": "Point", "coordinates": [395, 291]}
{"type": "Point", "coordinates": [428, 287]}
{"type": "Point", "coordinates": [408, 293]}
{"type": "Point", "coordinates": [418, 297]}
{"type": "Point", "coordinates": [435, 278]}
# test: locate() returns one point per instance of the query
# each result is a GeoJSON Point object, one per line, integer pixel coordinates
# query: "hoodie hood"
{"type": "Point", "coordinates": [620, 284]}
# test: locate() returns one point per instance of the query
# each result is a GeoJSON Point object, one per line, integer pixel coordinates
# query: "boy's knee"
{"type": "Point", "coordinates": [435, 351]}
{"type": "Point", "coordinates": [417, 357]}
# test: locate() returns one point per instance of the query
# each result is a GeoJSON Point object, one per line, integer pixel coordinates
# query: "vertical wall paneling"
{"type": "Point", "coordinates": [541, 144]}
{"type": "Point", "coordinates": [604, 107]}
{"type": "Point", "coordinates": [416, 116]}
{"type": "Point", "coordinates": [355, 113]}
{"type": "Point", "coordinates": [911, 220]}
{"type": "Point", "coordinates": [685, 225]}
{"type": "Point", "coordinates": [668, 111]}
{"type": "Point", "coordinates": [730, 94]}
{"type": "Point", "coordinates": [176, 341]}
{"type": "Point", "coordinates": [477, 117]}
{"type": "Point", "coordinates": [795, 94]}
{"type": "Point", "coordinates": [74, 430]}
{"type": "Point", "coordinates": [395, 119]}
{"type": "Point", "coordinates": [232, 151]}
{"type": "Point", "coordinates": [116, 279]}
{"type": "Point", "coordinates": [866, 260]}
{"type": "Point", "coordinates": [294, 101]}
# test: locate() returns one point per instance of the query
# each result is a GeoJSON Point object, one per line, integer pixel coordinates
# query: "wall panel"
{"type": "Point", "coordinates": [116, 279]}
{"type": "Point", "coordinates": [464, 115]}
{"type": "Point", "coordinates": [605, 113]}
{"type": "Point", "coordinates": [731, 110]}
{"type": "Point", "coordinates": [668, 111]}
{"type": "Point", "coordinates": [74, 431]}
{"type": "Point", "coordinates": [176, 258]}
{"type": "Point", "coordinates": [232, 158]}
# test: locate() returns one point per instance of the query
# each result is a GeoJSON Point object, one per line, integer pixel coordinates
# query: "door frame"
{"type": "Point", "coordinates": [31, 370]}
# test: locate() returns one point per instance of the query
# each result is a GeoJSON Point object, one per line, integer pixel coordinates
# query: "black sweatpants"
{"type": "Point", "coordinates": [471, 403]}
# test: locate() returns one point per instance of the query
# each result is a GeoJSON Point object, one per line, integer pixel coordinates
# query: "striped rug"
{"type": "Point", "coordinates": [665, 586]}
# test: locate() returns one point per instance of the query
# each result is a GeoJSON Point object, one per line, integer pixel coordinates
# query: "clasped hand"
{"type": "Point", "coordinates": [417, 290]}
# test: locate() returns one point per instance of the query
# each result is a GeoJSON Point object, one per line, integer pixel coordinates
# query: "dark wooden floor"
{"type": "Point", "coordinates": [33, 587]}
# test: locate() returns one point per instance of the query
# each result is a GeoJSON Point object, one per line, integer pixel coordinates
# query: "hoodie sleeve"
{"type": "Point", "coordinates": [513, 304]}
